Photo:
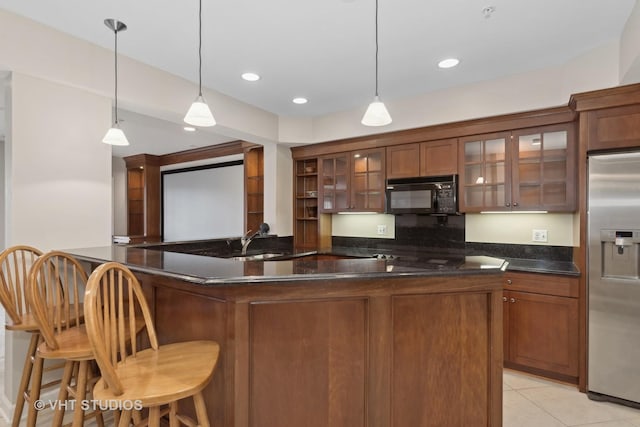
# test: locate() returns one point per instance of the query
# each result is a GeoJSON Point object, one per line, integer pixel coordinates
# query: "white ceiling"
{"type": "Point", "coordinates": [324, 50]}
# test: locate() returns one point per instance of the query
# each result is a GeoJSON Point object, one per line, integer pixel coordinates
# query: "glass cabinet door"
{"type": "Point", "coordinates": [484, 183]}
{"type": "Point", "coordinates": [543, 169]}
{"type": "Point", "coordinates": [334, 190]}
{"type": "Point", "coordinates": [367, 180]}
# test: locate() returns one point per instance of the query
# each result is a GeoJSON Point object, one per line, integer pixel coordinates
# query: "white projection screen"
{"type": "Point", "coordinates": [203, 202]}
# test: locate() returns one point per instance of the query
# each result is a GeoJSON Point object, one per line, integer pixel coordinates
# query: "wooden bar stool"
{"type": "Point", "coordinates": [56, 285]}
{"type": "Point", "coordinates": [15, 263]}
{"type": "Point", "coordinates": [150, 378]}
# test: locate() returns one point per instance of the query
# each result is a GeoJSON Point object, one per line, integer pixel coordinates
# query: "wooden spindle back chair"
{"type": "Point", "coordinates": [55, 290]}
{"type": "Point", "coordinates": [153, 377]}
{"type": "Point", "coordinates": [15, 264]}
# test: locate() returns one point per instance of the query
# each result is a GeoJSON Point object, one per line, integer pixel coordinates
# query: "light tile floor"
{"type": "Point", "coordinates": [535, 402]}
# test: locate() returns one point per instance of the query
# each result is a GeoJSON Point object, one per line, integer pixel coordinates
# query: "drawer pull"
{"type": "Point", "coordinates": [512, 300]}
{"type": "Point", "coordinates": [509, 281]}
{"type": "Point", "coordinates": [504, 299]}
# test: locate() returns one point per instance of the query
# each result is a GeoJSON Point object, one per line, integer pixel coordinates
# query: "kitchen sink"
{"type": "Point", "coordinates": [256, 257]}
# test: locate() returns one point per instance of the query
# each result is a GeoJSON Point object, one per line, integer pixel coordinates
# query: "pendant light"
{"type": "Point", "coordinates": [199, 114]}
{"type": "Point", "coordinates": [376, 114]}
{"type": "Point", "coordinates": [115, 135]}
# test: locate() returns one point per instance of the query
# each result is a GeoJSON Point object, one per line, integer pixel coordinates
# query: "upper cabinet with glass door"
{"type": "Point", "coordinates": [367, 180]}
{"type": "Point", "coordinates": [353, 181]}
{"type": "Point", "coordinates": [334, 183]}
{"type": "Point", "coordinates": [485, 182]}
{"type": "Point", "coordinates": [544, 169]}
{"type": "Point", "coordinates": [530, 169]}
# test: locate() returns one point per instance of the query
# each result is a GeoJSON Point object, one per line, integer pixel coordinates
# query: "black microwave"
{"type": "Point", "coordinates": [430, 195]}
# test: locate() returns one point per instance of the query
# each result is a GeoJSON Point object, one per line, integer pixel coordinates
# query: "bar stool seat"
{"type": "Point", "coordinates": [173, 372]}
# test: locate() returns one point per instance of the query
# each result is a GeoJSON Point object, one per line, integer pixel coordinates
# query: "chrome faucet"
{"type": "Point", "coordinates": [248, 238]}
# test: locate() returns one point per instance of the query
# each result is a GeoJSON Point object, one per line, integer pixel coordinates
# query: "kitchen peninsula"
{"type": "Point", "coordinates": [326, 340]}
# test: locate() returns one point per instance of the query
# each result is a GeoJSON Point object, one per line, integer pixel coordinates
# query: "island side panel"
{"type": "Point", "coordinates": [308, 363]}
{"type": "Point", "coordinates": [184, 316]}
{"type": "Point", "coordinates": [440, 360]}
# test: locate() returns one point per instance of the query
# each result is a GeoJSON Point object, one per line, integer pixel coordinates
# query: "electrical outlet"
{"type": "Point", "coordinates": [539, 235]}
{"type": "Point", "coordinates": [382, 229]}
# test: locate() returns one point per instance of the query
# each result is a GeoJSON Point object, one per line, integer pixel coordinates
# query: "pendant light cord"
{"type": "Point", "coordinates": [115, 32]}
{"type": "Point", "coordinates": [200, 49]}
{"type": "Point", "coordinates": [376, 47]}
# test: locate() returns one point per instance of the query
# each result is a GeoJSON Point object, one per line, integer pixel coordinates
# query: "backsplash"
{"type": "Point", "coordinates": [415, 232]}
{"type": "Point", "coordinates": [447, 235]}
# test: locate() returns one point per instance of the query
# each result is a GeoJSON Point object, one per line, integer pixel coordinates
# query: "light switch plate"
{"type": "Point", "coordinates": [539, 235]}
{"type": "Point", "coordinates": [382, 229]}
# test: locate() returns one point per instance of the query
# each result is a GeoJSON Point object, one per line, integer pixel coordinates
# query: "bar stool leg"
{"type": "Point", "coordinates": [34, 393]}
{"type": "Point", "coordinates": [63, 394]}
{"type": "Point", "coordinates": [154, 416]}
{"type": "Point", "coordinates": [173, 416]}
{"type": "Point", "coordinates": [125, 418]}
{"type": "Point", "coordinates": [201, 410]}
{"type": "Point", "coordinates": [81, 393]}
{"type": "Point", "coordinates": [25, 379]}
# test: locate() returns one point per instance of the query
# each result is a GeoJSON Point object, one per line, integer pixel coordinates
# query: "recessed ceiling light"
{"type": "Point", "coordinates": [448, 63]}
{"type": "Point", "coordinates": [251, 77]}
{"type": "Point", "coordinates": [189, 129]}
{"type": "Point", "coordinates": [300, 100]}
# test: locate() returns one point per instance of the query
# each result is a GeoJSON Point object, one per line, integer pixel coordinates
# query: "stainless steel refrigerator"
{"type": "Point", "coordinates": [613, 277]}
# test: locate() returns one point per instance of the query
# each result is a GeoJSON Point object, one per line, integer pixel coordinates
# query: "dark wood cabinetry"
{"type": "Point", "coordinates": [311, 229]}
{"type": "Point", "coordinates": [352, 182]}
{"type": "Point", "coordinates": [334, 186]}
{"type": "Point", "coordinates": [143, 198]}
{"type": "Point", "coordinates": [432, 158]}
{"type": "Point", "coordinates": [541, 326]}
{"type": "Point", "coordinates": [254, 188]}
{"type": "Point", "coordinates": [527, 169]}
{"type": "Point", "coordinates": [367, 180]}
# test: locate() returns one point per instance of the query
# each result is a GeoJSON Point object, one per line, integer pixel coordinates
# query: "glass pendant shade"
{"type": "Point", "coordinates": [115, 136]}
{"type": "Point", "coordinates": [199, 114]}
{"type": "Point", "coordinates": [376, 114]}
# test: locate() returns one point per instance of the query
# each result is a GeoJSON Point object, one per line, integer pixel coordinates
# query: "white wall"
{"type": "Point", "coordinates": [517, 228]}
{"type": "Point", "coordinates": [58, 171]}
{"type": "Point", "coordinates": [278, 189]}
{"type": "Point", "coordinates": [549, 87]}
{"type": "Point", "coordinates": [363, 225]}
{"type": "Point", "coordinates": [630, 48]}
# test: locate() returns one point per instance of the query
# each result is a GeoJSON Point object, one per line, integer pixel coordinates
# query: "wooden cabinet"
{"type": "Point", "coordinates": [439, 157]}
{"type": "Point", "coordinates": [334, 183]}
{"type": "Point", "coordinates": [306, 203]}
{"type": "Point", "coordinates": [432, 158]}
{"type": "Point", "coordinates": [403, 161]}
{"type": "Point", "coordinates": [528, 169]}
{"type": "Point", "coordinates": [352, 182]}
{"type": "Point", "coordinates": [143, 198]}
{"type": "Point", "coordinates": [367, 180]}
{"type": "Point", "coordinates": [541, 324]}
{"type": "Point", "coordinates": [614, 128]}
{"type": "Point", "coordinates": [254, 188]}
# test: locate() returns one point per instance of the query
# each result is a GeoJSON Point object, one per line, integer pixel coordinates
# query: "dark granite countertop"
{"type": "Point", "coordinates": [208, 270]}
{"type": "Point", "coordinates": [542, 266]}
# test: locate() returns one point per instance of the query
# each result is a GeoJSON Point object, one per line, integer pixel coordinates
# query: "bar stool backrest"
{"type": "Point", "coordinates": [15, 263]}
{"type": "Point", "coordinates": [112, 303]}
{"type": "Point", "coordinates": [56, 286]}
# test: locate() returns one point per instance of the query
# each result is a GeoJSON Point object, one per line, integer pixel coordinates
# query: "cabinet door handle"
{"type": "Point", "coordinates": [509, 282]}
{"type": "Point", "coordinates": [508, 204]}
{"type": "Point", "coordinates": [512, 300]}
{"type": "Point", "coordinates": [504, 299]}
{"type": "Point", "coordinates": [515, 203]}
